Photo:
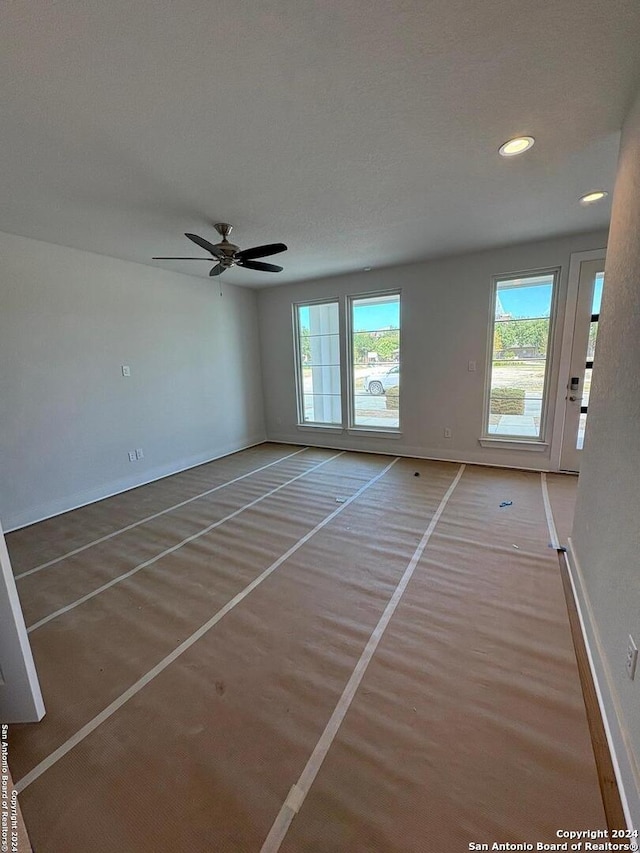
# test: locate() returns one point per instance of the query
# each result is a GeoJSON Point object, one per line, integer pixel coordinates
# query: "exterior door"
{"type": "Point", "coordinates": [20, 697]}
{"type": "Point", "coordinates": [585, 331]}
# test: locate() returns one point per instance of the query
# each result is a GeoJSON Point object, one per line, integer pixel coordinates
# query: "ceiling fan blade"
{"type": "Point", "coordinates": [261, 251]}
{"type": "Point", "coordinates": [217, 270]}
{"type": "Point", "coordinates": [257, 265]}
{"type": "Point", "coordinates": [206, 245]}
{"type": "Point", "coordinates": [181, 259]}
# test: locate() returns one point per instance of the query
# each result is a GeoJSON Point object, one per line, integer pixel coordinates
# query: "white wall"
{"type": "Point", "coordinates": [606, 535]}
{"type": "Point", "coordinates": [68, 321]}
{"type": "Point", "coordinates": [445, 317]}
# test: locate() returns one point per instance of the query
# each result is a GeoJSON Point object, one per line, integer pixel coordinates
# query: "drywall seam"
{"type": "Point", "coordinates": [173, 548]}
{"type": "Point", "coordinates": [155, 515]}
{"type": "Point", "coordinates": [85, 498]}
{"type": "Point", "coordinates": [301, 788]}
{"type": "Point", "coordinates": [614, 729]}
{"type": "Point", "coordinates": [111, 709]}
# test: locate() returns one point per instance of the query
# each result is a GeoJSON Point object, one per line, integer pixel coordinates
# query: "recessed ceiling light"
{"type": "Point", "coordinates": [516, 146]}
{"type": "Point", "coordinates": [593, 196]}
{"type": "Point", "coordinates": [366, 269]}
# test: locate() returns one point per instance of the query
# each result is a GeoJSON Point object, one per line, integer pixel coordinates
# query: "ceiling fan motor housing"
{"type": "Point", "coordinates": [228, 249]}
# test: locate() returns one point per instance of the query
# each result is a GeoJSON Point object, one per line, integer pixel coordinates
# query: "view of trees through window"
{"type": "Point", "coordinates": [521, 329]}
{"type": "Point", "coordinates": [511, 335]}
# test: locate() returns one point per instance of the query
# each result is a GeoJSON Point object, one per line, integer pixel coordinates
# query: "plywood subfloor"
{"type": "Point", "coordinates": [191, 662]}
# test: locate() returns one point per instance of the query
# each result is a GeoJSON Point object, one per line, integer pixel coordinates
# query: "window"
{"type": "Point", "coordinates": [318, 363]}
{"type": "Point", "coordinates": [375, 361]}
{"type": "Point", "coordinates": [520, 335]}
{"type": "Point", "coordinates": [373, 345]}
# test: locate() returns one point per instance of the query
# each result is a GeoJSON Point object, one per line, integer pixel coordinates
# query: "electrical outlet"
{"type": "Point", "coordinates": [447, 432]}
{"type": "Point", "coordinates": [632, 658]}
{"type": "Point", "coordinates": [472, 366]}
{"type": "Point", "coordinates": [126, 370]}
{"type": "Point", "coordinates": [139, 453]}
{"type": "Point", "coordinates": [132, 456]}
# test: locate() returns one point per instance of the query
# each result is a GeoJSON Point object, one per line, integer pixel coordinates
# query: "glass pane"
{"type": "Point", "coordinates": [376, 410]}
{"type": "Point", "coordinates": [524, 298]}
{"type": "Point", "coordinates": [519, 364]}
{"type": "Point", "coordinates": [376, 367]}
{"type": "Point", "coordinates": [373, 313]}
{"type": "Point", "coordinates": [591, 346]}
{"type": "Point", "coordinates": [312, 350]}
{"type": "Point", "coordinates": [586, 388]}
{"type": "Point", "coordinates": [597, 293]}
{"type": "Point", "coordinates": [319, 347]}
{"type": "Point", "coordinates": [581, 429]}
{"type": "Point", "coordinates": [315, 405]}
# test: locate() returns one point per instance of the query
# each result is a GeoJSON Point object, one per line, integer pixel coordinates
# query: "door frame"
{"type": "Point", "coordinates": [564, 371]}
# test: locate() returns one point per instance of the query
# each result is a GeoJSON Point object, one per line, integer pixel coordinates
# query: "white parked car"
{"type": "Point", "coordinates": [381, 380]}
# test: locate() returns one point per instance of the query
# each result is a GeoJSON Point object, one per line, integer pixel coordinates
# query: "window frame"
{"type": "Point", "coordinates": [352, 427]}
{"type": "Point", "coordinates": [298, 368]}
{"type": "Point", "coordinates": [538, 442]}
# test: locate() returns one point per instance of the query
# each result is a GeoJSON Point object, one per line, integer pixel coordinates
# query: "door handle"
{"type": "Point", "coordinates": [573, 399]}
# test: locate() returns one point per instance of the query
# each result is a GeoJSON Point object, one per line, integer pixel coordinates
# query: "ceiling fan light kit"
{"type": "Point", "coordinates": [229, 255]}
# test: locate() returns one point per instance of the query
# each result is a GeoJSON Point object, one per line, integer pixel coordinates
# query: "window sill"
{"type": "Point", "coordinates": [380, 433]}
{"type": "Point", "coordinates": [507, 443]}
{"type": "Point", "coordinates": [321, 428]}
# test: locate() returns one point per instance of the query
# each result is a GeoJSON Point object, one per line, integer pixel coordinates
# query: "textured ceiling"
{"type": "Point", "coordinates": [359, 132]}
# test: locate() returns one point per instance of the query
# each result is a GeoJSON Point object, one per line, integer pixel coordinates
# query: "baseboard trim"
{"type": "Point", "coordinates": [109, 490]}
{"type": "Point", "coordinates": [623, 768]}
{"type": "Point", "coordinates": [408, 453]}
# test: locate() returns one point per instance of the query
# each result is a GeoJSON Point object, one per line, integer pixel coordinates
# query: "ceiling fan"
{"type": "Point", "coordinates": [229, 255]}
